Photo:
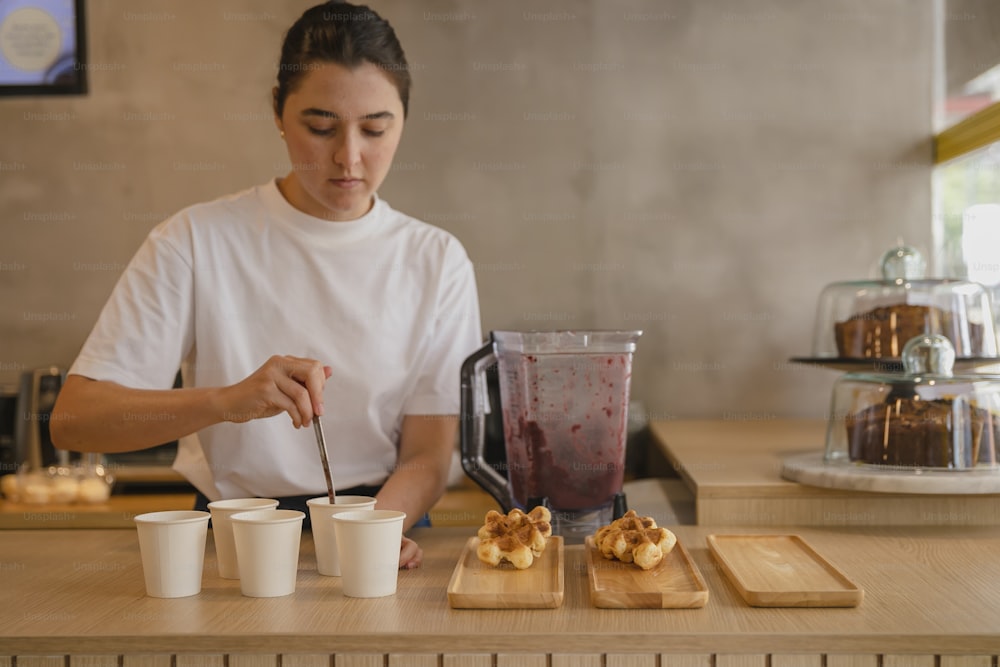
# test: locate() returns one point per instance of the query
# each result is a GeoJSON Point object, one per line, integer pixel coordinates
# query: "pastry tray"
{"type": "Point", "coordinates": [477, 585]}
{"type": "Point", "coordinates": [782, 571]}
{"type": "Point", "coordinates": [673, 583]}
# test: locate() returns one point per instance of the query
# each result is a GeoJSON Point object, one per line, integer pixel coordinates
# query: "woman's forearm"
{"type": "Point", "coordinates": [421, 474]}
{"type": "Point", "coordinates": [413, 490]}
{"type": "Point", "coordinates": [99, 416]}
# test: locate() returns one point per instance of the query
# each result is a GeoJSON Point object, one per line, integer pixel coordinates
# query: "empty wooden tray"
{"type": "Point", "coordinates": [782, 571]}
{"type": "Point", "coordinates": [476, 585]}
{"type": "Point", "coordinates": [673, 583]}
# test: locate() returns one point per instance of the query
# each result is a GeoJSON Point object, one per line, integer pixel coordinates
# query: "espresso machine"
{"type": "Point", "coordinates": [562, 399]}
{"type": "Point", "coordinates": [38, 392]}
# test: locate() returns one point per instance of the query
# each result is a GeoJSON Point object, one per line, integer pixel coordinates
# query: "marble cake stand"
{"type": "Point", "coordinates": [811, 469]}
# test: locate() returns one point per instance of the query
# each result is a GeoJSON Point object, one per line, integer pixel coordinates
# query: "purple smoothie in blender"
{"type": "Point", "coordinates": [565, 414]}
{"type": "Point", "coordinates": [565, 420]}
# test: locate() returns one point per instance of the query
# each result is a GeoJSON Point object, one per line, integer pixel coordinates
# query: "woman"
{"type": "Point", "coordinates": [306, 296]}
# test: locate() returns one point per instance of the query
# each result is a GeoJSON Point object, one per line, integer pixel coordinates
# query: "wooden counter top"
{"type": "Point", "coordinates": [733, 468]}
{"type": "Point", "coordinates": [739, 458]}
{"type": "Point", "coordinates": [930, 591]}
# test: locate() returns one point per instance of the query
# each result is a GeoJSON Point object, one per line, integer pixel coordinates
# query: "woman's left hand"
{"type": "Point", "coordinates": [410, 554]}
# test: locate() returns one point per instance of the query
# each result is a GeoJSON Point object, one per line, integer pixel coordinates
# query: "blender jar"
{"type": "Point", "coordinates": [564, 398]}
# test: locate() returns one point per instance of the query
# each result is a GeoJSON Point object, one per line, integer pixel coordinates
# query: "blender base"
{"type": "Point", "coordinates": [574, 526]}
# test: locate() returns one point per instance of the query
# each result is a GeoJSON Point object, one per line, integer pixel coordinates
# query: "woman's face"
{"type": "Point", "coordinates": [342, 127]}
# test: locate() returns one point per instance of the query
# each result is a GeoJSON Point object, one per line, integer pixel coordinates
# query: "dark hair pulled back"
{"type": "Point", "coordinates": [345, 34]}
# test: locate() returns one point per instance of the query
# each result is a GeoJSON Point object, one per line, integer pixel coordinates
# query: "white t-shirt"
{"type": "Point", "coordinates": [387, 300]}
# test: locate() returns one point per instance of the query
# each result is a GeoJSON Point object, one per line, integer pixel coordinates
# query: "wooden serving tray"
{"type": "Point", "coordinates": [476, 585]}
{"type": "Point", "coordinates": [782, 571]}
{"type": "Point", "coordinates": [673, 583]}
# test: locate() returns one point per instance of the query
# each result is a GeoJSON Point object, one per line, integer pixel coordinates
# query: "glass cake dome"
{"type": "Point", "coordinates": [873, 319]}
{"type": "Point", "coordinates": [925, 417]}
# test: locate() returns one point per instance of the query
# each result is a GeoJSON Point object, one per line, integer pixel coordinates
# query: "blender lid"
{"type": "Point", "coordinates": [580, 341]}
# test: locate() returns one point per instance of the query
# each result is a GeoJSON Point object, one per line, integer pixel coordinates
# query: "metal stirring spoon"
{"type": "Point", "coordinates": [321, 443]}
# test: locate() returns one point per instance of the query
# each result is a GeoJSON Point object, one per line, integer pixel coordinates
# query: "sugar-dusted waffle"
{"type": "Point", "coordinates": [517, 537]}
{"type": "Point", "coordinates": [635, 539]}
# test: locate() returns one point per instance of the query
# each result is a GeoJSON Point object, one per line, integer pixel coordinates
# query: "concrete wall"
{"type": "Point", "coordinates": [972, 40]}
{"type": "Point", "coordinates": [698, 169]}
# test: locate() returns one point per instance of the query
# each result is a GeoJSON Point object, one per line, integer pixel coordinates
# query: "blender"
{"type": "Point", "coordinates": [563, 397]}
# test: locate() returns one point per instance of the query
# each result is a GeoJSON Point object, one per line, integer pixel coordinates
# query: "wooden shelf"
{"type": "Point", "coordinates": [117, 512]}
{"type": "Point", "coordinates": [733, 468]}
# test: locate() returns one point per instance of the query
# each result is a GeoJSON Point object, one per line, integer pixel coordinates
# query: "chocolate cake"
{"type": "Point", "coordinates": [912, 432]}
{"type": "Point", "coordinates": [883, 331]}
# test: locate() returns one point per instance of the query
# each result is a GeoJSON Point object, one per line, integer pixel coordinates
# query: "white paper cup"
{"type": "Point", "coordinates": [267, 551]}
{"type": "Point", "coordinates": [172, 546]}
{"type": "Point", "coordinates": [324, 536]}
{"type": "Point", "coordinates": [222, 529]}
{"type": "Point", "coordinates": [368, 547]}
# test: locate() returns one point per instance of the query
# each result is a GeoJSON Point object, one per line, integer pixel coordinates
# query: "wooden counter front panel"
{"type": "Point", "coordinates": [502, 660]}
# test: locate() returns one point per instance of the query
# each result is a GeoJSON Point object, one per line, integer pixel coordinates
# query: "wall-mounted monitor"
{"type": "Point", "coordinates": [42, 47]}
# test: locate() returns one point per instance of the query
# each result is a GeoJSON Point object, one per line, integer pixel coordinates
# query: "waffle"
{"type": "Point", "coordinates": [517, 538]}
{"type": "Point", "coordinates": [635, 539]}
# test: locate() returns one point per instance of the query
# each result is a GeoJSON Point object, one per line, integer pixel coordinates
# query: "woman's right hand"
{"type": "Point", "coordinates": [282, 384]}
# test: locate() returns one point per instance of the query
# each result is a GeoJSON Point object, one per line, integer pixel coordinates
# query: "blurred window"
{"type": "Point", "coordinates": [966, 183]}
